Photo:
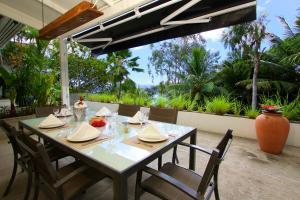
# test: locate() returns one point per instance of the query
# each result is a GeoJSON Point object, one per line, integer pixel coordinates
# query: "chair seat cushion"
{"type": "Point", "coordinates": [167, 191]}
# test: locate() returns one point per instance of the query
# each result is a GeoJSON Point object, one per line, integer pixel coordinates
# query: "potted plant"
{"type": "Point", "coordinates": [271, 129]}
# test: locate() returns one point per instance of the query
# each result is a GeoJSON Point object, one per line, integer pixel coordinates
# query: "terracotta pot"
{"type": "Point", "coordinates": [272, 130]}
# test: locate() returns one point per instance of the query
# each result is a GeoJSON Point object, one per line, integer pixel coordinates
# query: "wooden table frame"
{"type": "Point", "coordinates": [120, 178]}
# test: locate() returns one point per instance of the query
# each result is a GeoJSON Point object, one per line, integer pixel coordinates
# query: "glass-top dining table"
{"type": "Point", "coordinates": [120, 153]}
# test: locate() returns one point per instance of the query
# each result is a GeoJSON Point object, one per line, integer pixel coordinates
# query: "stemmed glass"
{"type": "Point", "coordinates": [56, 111]}
{"type": "Point", "coordinates": [144, 118]}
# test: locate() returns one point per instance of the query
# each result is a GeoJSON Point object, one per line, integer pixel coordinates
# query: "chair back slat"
{"type": "Point", "coordinates": [167, 115]}
{"type": "Point", "coordinates": [128, 110]}
{"type": "Point", "coordinates": [44, 164]}
{"type": "Point", "coordinates": [225, 143]}
{"type": "Point", "coordinates": [209, 171]}
{"type": "Point", "coordinates": [11, 134]}
{"type": "Point", "coordinates": [45, 110]}
{"type": "Point", "coordinates": [37, 154]}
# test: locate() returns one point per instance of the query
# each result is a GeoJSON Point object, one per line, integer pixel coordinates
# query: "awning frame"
{"type": "Point", "coordinates": [166, 22]}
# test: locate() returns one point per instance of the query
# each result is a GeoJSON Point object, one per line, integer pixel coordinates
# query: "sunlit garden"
{"type": "Point", "coordinates": [253, 74]}
{"type": "Point", "coordinates": [81, 101]}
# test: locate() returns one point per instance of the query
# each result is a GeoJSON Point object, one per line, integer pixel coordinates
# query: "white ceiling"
{"type": "Point", "coordinates": [29, 12]}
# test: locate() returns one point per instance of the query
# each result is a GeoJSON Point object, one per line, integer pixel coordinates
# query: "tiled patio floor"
{"type": "Point", "coordinates": [246, 173]}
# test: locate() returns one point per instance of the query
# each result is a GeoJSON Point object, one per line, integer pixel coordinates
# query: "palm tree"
{"type": "Point", "coordinates": [289, 47]}
{"type": "Point", "coordinates": [119, 64]}
{"type": "Point", "coordinates": [248, 38]}
{"type": "Point", "coordinates": [198, 77]}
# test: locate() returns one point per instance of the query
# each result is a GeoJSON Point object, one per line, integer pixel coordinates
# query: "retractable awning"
{"type": "Point", "coordinates": [164, 19]}
{"type": "Point", "coordinates": [8, 29]}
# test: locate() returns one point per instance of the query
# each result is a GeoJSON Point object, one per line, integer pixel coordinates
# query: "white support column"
{"type": "Point", "coordinates": [64, 72]}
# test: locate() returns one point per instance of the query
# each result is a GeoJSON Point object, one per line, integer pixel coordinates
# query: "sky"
{"type": "Point", "coordinates": [271, 8]}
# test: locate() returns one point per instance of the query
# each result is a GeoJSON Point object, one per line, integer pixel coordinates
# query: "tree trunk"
{"type": "Point", "coordinates": [12, 108]}
{"type": "Point", "coordinates": [120, 88]}
{"type": "Point", "coordinates": [254, 83]}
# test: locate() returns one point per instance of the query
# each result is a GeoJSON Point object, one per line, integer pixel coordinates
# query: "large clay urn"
{"type": "Point", "coordinates": [272, 130]}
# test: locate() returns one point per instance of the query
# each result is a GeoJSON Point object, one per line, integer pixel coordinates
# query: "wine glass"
{"type": "Point", "coordinates": [56, 111]}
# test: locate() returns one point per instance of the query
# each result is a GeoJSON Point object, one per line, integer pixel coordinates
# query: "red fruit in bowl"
{"type": "Point", "coordinates": [97, 122]}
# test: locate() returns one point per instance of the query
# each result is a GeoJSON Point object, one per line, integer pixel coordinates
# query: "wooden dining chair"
{"type": "Point", "coordinates": [222, 147]}
{"type": "Point", "coordinates": [44, 111]}
{"type": "Point", "coordinates": [66, 182]}
{"type": "Point", "coordinates": [173, 182]}
{"type": "Point", "coordinates": [128, 110]}
{"type": "Point", "coordinates": [167, 115]}
{"type": "Point", "coordinates": [22, 160]}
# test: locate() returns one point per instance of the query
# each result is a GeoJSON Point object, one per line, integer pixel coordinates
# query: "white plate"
{"type": "Point", "coordinates": [53, 126]}
{"type": "Point", "coordinates": [103, 115]}
{"type": "Point", "coordinates": [153, 140]}
{"type": "Point", "coordinates": [67, 115]}
{"type": "Point", "coordinates": [91, 137]}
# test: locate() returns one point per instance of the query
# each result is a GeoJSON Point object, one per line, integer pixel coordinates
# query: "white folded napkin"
{"type": "Point", "coordinates": [51, 121]}
{"type": "Point", "coordinates": [77, 105]}
{"type": "Point", "coordinates": [152, 132]}
{"type": "Point", "coordinates": [65, 112]}
{"type": "Point", "coordinates": [84, 132]}
{"type": "Point", "coordinates": [136, 118]}
{"type": "Point", "coordinates": [103, 112]}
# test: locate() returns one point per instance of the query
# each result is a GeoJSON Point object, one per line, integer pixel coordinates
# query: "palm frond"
{"type": "Point", "coordinates": [292, 59]}
{"type": "Point", "coordinates": [288, 30]}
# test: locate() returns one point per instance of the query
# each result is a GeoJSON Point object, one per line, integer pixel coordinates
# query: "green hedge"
{"type": "Point", "coordinates": [219, 105]}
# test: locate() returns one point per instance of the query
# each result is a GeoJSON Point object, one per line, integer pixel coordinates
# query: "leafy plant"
{"type": "Point", "coordinates": [236, 107]}
{"type": "Point", "coordinates": [178, 102]}
{"type": "Point", "coordinates": [127, 99]}
{"type": "Point", "coordinates": [105, 98]}
{"type": "Point", "coordinates": [200, 108]}
{"type": "Point", "coordinates": [191, 105]}
{"type": "Point", "coordinates": [161, 102]}
{"type": "Point", "coordinates": [219, 105]}
{"type": "Point", "coordinates": [290, 109]}
{"type": "Point", "coordinates": [250, 113]}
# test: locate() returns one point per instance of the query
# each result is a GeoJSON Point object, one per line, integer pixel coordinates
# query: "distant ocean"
{"type": "Point", "coordinates": [144, 86]}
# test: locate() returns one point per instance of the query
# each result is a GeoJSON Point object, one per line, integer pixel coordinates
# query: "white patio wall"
{"type": "Point", "coordinates": [242, 127]}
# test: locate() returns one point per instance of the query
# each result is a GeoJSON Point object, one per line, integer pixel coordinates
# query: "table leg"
{"type": "Point", "coordinates": [120, 188]}
{"type": "Point", "coordinates": [159, 162]}
{"type": "Point", "coordinates": [193, 140]}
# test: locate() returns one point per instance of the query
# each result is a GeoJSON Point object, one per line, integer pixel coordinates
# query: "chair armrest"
{"type": "Point", "coordinates": [68, 177]}
{"type": "Point", "coordinates": [181, 186]}
{"type": "Point", "coordinates": [209, 152]}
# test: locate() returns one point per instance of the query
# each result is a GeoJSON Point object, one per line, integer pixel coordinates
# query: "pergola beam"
{"type": "Point", "coordinates": [109, 13]}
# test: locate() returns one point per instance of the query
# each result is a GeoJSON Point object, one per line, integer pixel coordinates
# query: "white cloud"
{"type": "Point", "coordinates": [214, 35]}
{"type": "Point", "coordinates": [268, 1]}
{"type": "Point", "coordinates": [261, 9]}
{"type": "Point", "coordinates": [138, 48]}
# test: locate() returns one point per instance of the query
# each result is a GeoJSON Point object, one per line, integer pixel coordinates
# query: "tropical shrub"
{"type": "Point", "coordinates": [105, 98]}
{"type": "Point", "coordinates": [290, 109]}
{"type": "Point", "coordinates": [236, 107]}
{"type": "Point", "coordinates": [219, 105]}
{"type": "Point", "coordinates": [191, 105]}
{"type": "Point", "coordinates": [127, 99]}
{"type": "Point", "coordinates": [178, 103]}
{"type": "Point", "coordinates": [250, 113]}
{"type": "Point", "coordinates": [200, 108]}
{"type": "Point", "coordinates": [161, 102]}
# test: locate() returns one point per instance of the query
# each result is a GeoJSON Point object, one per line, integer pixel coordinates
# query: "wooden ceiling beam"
{"type": "Point", "coordinates": [78, 15]}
